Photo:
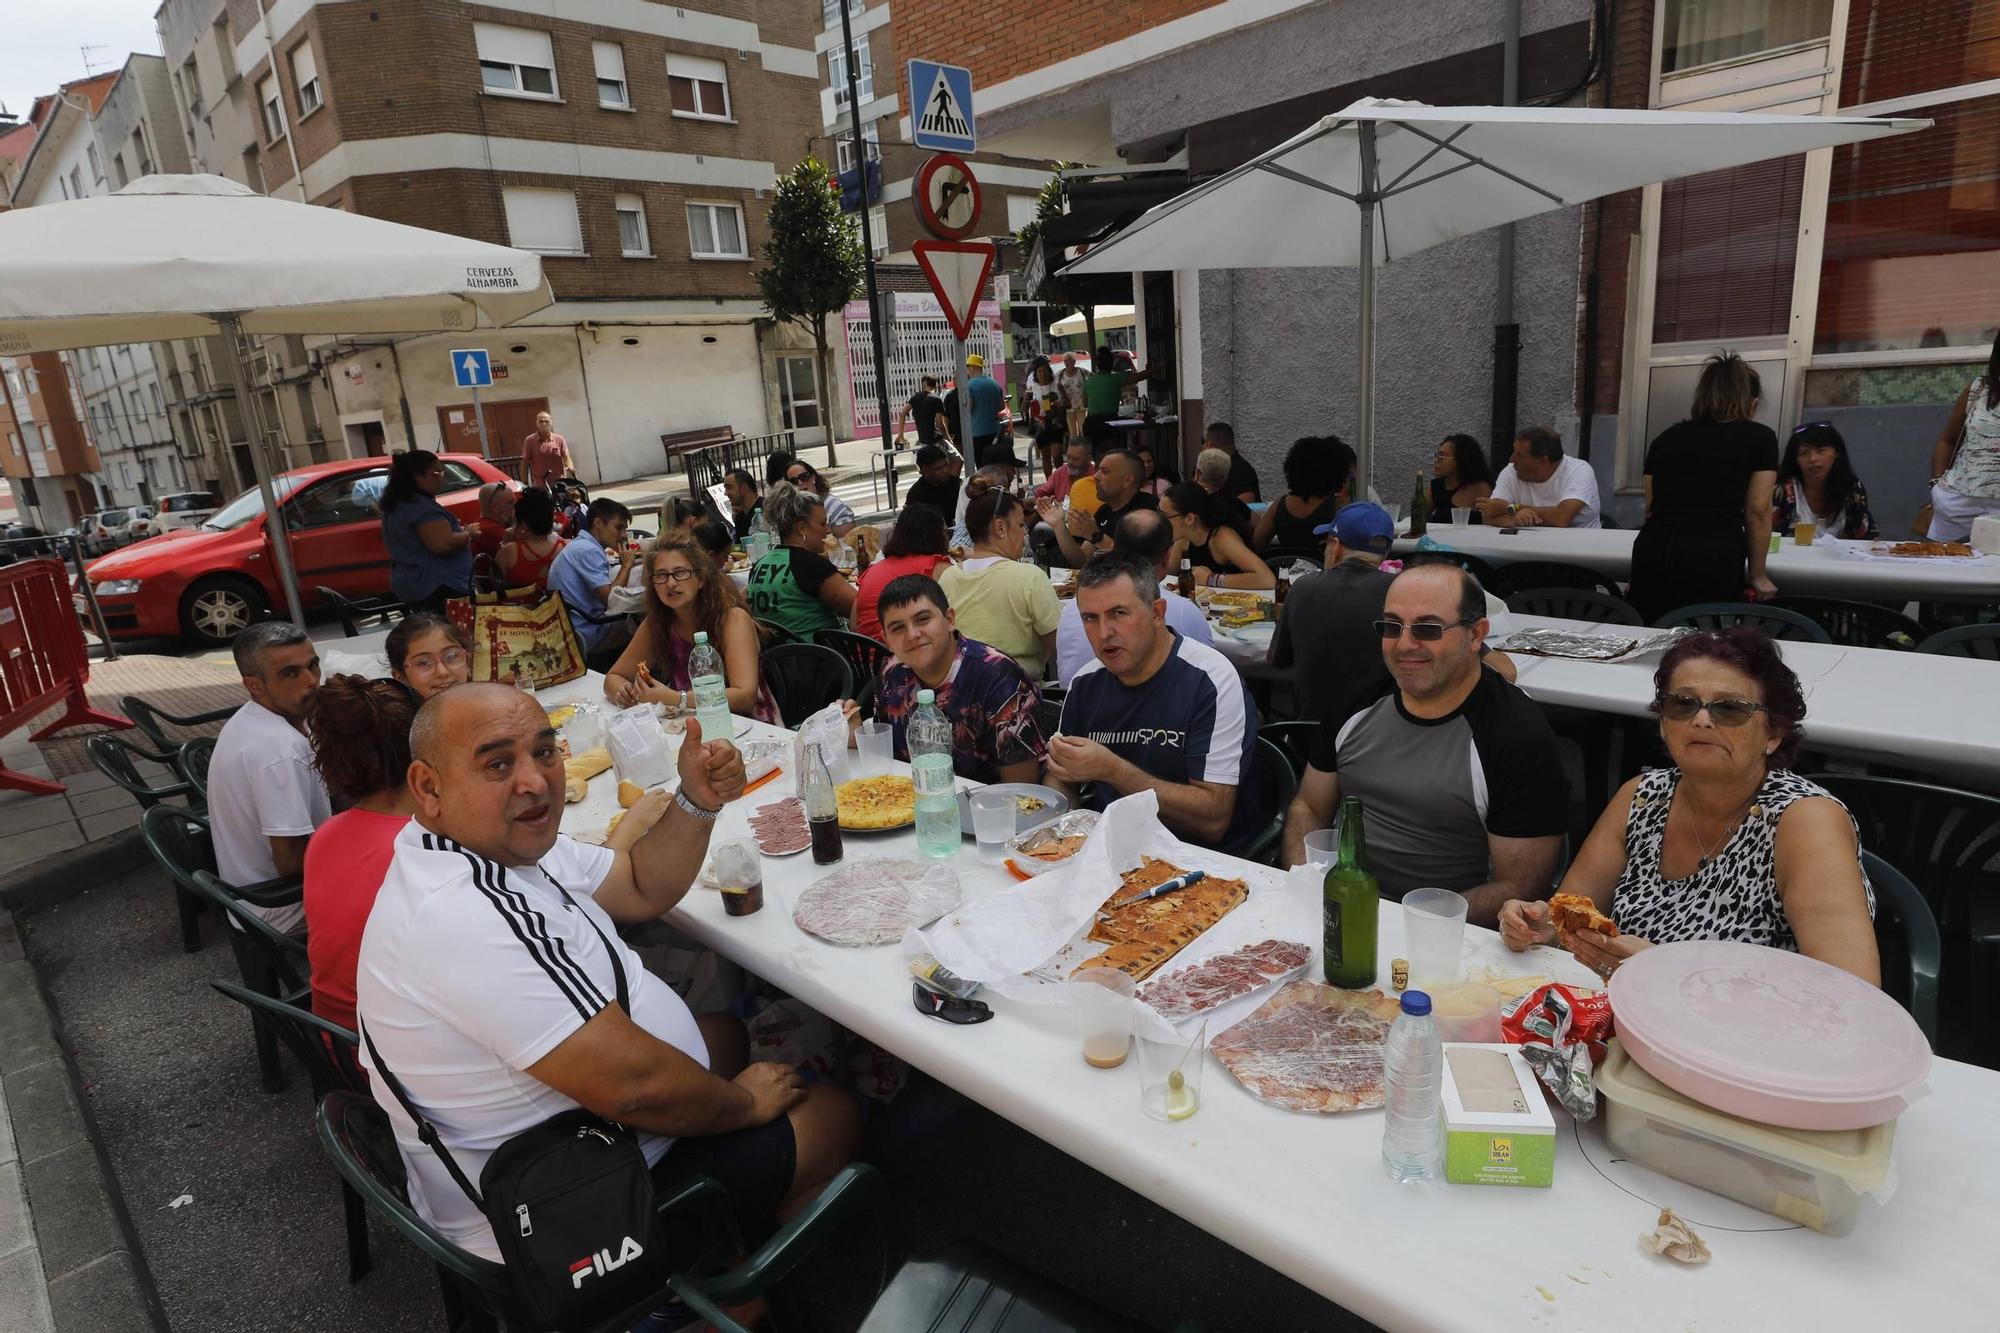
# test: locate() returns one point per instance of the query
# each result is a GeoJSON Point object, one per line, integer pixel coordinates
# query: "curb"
{"type": "Point", "coordinates": [86, 1250]}
{"type": "Point", "coordinates": [58, 878]}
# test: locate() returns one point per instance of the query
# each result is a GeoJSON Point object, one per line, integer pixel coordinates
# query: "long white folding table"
{"type": "Point", "coordinates": [1307, 1194]}
{"type": "Point", "coordinates": [1819, 570]}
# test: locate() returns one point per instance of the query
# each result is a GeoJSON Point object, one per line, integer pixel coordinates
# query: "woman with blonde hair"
{"type": "Point", "coordinates": [686, 595]}
{"type": "Point", "coordinates": [1709, 481]}
{"type": "Point", "coordinates": [794, 585]}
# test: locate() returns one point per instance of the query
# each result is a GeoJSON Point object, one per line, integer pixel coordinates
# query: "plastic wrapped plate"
{"type": "Point", "coordinates": [1071, 829]}
{"type": "Point", "coordinates": [875, 901]}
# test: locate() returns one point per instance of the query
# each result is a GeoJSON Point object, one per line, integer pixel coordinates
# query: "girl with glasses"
{"type": "Point", "coordinates": [429, 654]}
{"type": "Point", "coordinates": [687, 595]}
{"type": "Point", "coordinates": [1816, 484]}
{"type": "Point", "coordinates": [1728, 843]}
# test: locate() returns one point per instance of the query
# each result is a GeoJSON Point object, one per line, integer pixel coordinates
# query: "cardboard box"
{"type": "Point", "coordinates": [1497, 1126]}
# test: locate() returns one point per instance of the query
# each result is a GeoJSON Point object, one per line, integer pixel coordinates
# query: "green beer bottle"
{"type": "Point", "coordinates": [1351, 904]}
{"type": "Point", "coordinates": [1420, 507]}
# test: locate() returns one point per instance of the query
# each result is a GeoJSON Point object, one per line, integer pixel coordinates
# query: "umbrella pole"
{"type": "Point", "coordinates": [231, 328]}
{"type": "Point", "coordinates": [1364, 449]}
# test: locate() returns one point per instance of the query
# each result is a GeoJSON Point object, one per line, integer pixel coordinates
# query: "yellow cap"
{"type": "Point", "coordinates": [976, 361]}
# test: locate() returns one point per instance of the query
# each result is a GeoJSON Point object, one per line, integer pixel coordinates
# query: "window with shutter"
{"type": "Point", "coordinates": [1704, 32]}
{"type": "Point", "coordinates": [543, 220]}
{"type": "Point", "coordinates": [631, 211]}
{"type": "Point", "coordinates": [698, 87]}
{"type": "Point", "coordinates": [1728, 240]}
{"type": "Point", "coordinates": [305, 78]}
{"type": "Point", "coordinates": [1896, 48]}
{"type": "Point", "coordinates": [519, 62]}
{"type": "Point", "coordinates": [611, 86]}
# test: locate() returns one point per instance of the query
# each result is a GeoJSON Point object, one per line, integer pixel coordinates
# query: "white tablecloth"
{"type": "Point", "coordinates": [1817, 570]}
{"type": "Point", "coordinates": [1307, 1195]}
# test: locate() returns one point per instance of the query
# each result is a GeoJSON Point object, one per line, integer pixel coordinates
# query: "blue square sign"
{"type": "Point", "coordinates": [471, 368]}
{"type": "Point", "coordinates": [941, 107]}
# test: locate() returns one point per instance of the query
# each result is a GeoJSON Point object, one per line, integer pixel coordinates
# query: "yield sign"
{"type": "Point", "coordinates": [957, 271]}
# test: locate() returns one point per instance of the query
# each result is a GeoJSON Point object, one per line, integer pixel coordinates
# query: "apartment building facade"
{"type": "Point", "coordinates": [633, 146]}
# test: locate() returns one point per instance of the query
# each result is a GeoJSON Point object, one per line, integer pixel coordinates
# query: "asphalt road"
{"type": "Point", "coordinates": [172, 1079]}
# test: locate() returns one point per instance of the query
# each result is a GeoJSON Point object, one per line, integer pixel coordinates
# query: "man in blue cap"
{"type": "Point", "coordinates": [1326, 628]}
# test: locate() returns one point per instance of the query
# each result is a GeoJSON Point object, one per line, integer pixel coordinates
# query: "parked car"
{"type": "Point", "coordinates": [183, 509]}
{"type": "Point", "coordinates": [138, 527]}
{"type": "Point", "coordinates": [24, 540]}
{"type": "Point", "coordinates": [205, 583]}
{"type": "Point", "coordinates": [104, 530]}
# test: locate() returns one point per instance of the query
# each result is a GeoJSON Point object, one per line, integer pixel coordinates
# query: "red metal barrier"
{"type": "Point", "coordinates": [42, 659]}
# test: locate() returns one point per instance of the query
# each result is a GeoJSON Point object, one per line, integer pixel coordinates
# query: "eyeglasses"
{"type": "Point", "coordinates": [672, 575]}
{"type": "Point", "coordinates": [1423, 631]}
{"type": "Point", "coordinates": [450, 657]}
{"type": "Point", "coordinates": [1811, 425]}
{"type": "Point", "coordinates": [1722, 712]}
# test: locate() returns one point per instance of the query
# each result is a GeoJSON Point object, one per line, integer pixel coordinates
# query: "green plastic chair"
{"type": "Point", "coordinates": [271, 962]}
{"type": "Point", "coordinates": [1600, 608]}
{"type": "Point", "coordinates": [1294, 740]}
{"type": "Point", "coordinates": [1906, 937]}
{"type": "Point", "coordinates": [178, 839]}
{"type": "Point", "coordinates": [1518, 576]}
{"type": "Point", "coordinates": [1982, 641]}
{"type": "Point", "coordinates": [192, 761]}
{"type": "Point", "coordinates": [1277, 784]}
{"type": "Point", "coordinates": [115, 757]}
{"type": "Point", "coordinates": [155, 721]}
{"type": "Point", "coordinates": [1773, 620]}
{"type": "Point", "coordinates": [328, 1051]}
{"type": "Point", "coordinates": [1857, 624]}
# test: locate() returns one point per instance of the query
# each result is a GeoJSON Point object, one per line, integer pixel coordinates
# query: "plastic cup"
{"type": "Point", "coordinates": [1100, 1003]}
{"type": "Point", "coordinates": [1804, 531]}
{"type": "Point", "coordinates": [1461, 516]}
{"type": "Point", "coordinates": [1466, 1011]}
{"type": "Point", "coordinates": [1434, 934]}
{"type": "Point", "coordinates": [876, 744]}
{"type": "Point", "coordinates": [994, 815]}
{"type": "Point", "coordinates": [1323, 847]}
{"type": "Point", "coordinates": [739, 869]}
{"type": "Point", "coordinates": [1170, 1075]}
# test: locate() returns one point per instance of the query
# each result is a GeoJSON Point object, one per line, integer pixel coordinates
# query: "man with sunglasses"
{"type": "Point", "coordinates": [1457, 770]}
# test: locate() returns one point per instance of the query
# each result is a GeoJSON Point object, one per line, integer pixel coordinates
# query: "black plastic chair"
{"type": "Point", "coordinates": [1472, 564]}
{"type": "Point", "coordinates": [1906, 938]}
{"type": "Point", "coordinates": [115, 757]}
{"type": "Point", "coordinates": [805, 678]}
{"type": "Point", "coordinates": [866, 658]}
{"type": "Point", "coordinates": [271, 962]}
{"type": "Point", "coordinates": [1284, 557]}
{"type": "Point", "coordinates": [773, 634]}
{"type": "Point", "coordinates": [1521, 575]}
{"type": "Point", "coordinates": [178, 839]}
{"type": "Point", "coordinates": [192, 761]}
{"type": "Point", "coordinates": [154, 722]}
{"type": "Point", "coordinates": [362, 613]}
{"type": "Point", "coordinates": [1294, 740]}
{"type": "Point", "coordinates": [1049, 714]}
{"type": "Point", "coordinates": [328, 1051]}
{"type": "Point", "coordinates": [1277, 784]}
{"type": "Point", "coordinates": [1567, 603]}
{"type": "Point", "coordinates": [1857, 624]}
{"type": "Point", "coordinates": [1982, 641]}
{"type": "Point", "coordinates": [1773, 620]}
{"type": "Point", "coordinates": [1950, 840]}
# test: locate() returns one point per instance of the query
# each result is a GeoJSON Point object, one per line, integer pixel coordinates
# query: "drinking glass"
{"type": "Point", "coordinates": [1804, 531]}
{"type": "Point", "coordinates": [1461, 516]}
{"type": "Point", "coordinates": [875, 742]}
{"type": "Point", "coordinates": [1322, 847]}
{"type": "Point", "coordinates": [1170, 1074]}
{"type": "Point", "coordinates": [994, 815]}
{"type": "Point", "coordinates": [1100, 1003]}
{"type": "Point", "coordinates": [1434, 935]}
{"type": "Point", "coordinates": [739, 869]}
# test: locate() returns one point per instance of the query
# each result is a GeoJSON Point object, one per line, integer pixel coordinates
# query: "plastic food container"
{"type": "Point", "coordinates": [1816, 1178]}
{"type": "Point", "coordinates": [1773, 1037]}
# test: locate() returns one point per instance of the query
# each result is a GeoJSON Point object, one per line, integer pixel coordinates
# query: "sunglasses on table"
{"type": "Point", "coordinates": [1722, 712]}
{"type": "Point", "coordinates": [450, 657]}
{"type": "Point", "coordinates": [1423, 631]}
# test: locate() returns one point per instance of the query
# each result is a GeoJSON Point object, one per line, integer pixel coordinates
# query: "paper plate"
{"type": "Point", "coordinates": [1767, 1035]}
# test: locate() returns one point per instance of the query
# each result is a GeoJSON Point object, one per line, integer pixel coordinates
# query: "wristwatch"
{"type": "Point", "coordinates": [706, 816]}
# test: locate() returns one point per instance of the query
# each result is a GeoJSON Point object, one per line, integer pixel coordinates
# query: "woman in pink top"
{"type": "Point", "coordinates": [916, 545]}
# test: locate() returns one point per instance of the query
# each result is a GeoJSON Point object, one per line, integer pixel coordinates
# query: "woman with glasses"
{"type": "Point", "coordinates": [1708, 498]}
{"type": "Point", "coordinates": [1816, 484]}
{"type": "Point", "coordinates": [1728, 843]}
{"type": "Point", "coordinates": [686, 595]}
{"type": "Point", "coordinates": [429, 654]}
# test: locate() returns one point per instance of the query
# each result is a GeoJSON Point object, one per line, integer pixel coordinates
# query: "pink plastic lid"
{"type": "Point", "coordinates": [1778, 1027]}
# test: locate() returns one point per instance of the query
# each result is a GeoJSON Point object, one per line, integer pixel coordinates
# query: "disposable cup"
{"type": "Point", "coordinates": [994, 816]}
{"type": "Point", "coordinates": [1804, 531]}
{"type": "Point", "coordinates": [1322, 847]}
{"type": "Point", "coordinates": [1461, 516]}
{"type": "Point", "coordinates": [1100, 1003]}
{"type": "Point", "coordinates": [1170, 1075]}
{"type": "Point", "coordinates": [1433, 933]}
{"type": "Point", "coordinates": [1466, 1011]}
{"type": "Point", "coordinates": [875, 744]}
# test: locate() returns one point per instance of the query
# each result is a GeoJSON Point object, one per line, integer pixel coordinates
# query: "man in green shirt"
{"type": "Point", "coordinates": [1102, 390]}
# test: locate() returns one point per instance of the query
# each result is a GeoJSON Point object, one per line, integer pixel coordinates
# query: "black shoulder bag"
{"type": "Point", "coordinates": [570, 1202]}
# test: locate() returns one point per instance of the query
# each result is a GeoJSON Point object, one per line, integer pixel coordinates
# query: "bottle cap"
{"type": "Point", "coordinates": [1416, 1003]}
{"type": "Point", "coordinates": [701, 636]}
{"type": "Point", "coordinates": [926, 696]}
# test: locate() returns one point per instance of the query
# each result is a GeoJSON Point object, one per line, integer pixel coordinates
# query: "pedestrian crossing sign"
{"type": "Point", "coordinates": [941, 107]}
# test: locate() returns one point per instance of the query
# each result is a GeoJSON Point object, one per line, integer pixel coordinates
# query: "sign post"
{"type": "Point", "coordinates": [472, 368]}
{"type": "Point", "coordinates": [957, 271]}
{"type": "Point", "coordinates": [941, 107]}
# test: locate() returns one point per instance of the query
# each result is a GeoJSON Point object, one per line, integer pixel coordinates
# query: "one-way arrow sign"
{"type": "Point", "coordinates": [471, 368]}
{"type": "Point", "coordinates": [957, 271]}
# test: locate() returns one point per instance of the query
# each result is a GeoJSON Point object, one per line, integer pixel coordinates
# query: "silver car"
{"type": "Point", "coordinates": [182, 509]}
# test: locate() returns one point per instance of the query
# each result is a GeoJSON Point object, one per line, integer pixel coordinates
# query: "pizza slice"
{"type": "Point", "coordinates": [1572, 912]}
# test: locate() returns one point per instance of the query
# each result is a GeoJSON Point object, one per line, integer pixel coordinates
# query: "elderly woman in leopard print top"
{"type": "Point", "coordinates": [1727, 844]}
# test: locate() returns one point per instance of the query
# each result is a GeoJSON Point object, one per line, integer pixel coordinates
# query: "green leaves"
{"type": "Point", "coordinates": [812, 261]}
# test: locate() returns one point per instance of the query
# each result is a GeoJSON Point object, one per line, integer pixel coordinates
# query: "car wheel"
{"type": "Point", "coordinates": [216, 610]}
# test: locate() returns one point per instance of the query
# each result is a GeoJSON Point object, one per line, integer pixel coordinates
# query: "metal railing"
{"type": "Point", "coordinates": [706, 467]}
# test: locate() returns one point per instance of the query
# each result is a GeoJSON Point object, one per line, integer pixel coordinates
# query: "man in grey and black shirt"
{"type": "Point", "coordinates": [1460, 783]}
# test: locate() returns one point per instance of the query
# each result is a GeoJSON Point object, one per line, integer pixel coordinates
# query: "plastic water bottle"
{"type": "Point", "coordinates": [1413, 1068]}
{"type": "Point", "coordinates": [711, 691]}
{"type": "Point", "coordinates": [938, 831]}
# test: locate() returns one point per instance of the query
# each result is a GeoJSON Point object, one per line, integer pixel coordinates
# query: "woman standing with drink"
{"type": "Point", "coordinates": [1709, 481]}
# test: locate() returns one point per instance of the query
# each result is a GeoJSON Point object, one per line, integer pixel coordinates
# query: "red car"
{"type": "Point", "coordinates": [205, 583]}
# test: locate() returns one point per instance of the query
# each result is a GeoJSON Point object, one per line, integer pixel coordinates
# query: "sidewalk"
{"type": "Point", "coordinates": [849, 480]}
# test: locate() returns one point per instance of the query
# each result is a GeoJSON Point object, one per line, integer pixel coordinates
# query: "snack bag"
{"type": "Point", "coordinates": [1561, 1031]}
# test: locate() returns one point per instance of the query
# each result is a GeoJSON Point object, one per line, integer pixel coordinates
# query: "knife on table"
{"type": "Point", "coordinates": [1164, 887]}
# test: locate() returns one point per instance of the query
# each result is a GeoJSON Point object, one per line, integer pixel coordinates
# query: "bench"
{"type": "Point", "coordinates": [680, 443]}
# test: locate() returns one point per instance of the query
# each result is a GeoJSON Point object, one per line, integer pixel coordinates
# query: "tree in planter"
{"type": "Point", "coordinates": [812, 262]}
{"type": "Point", "coordinates": [1055, 293]}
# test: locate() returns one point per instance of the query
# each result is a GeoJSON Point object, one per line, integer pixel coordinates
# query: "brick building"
{"type": "Point", "coordinates": [632, 146]}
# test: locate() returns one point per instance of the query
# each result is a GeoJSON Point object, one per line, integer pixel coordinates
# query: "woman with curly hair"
{"type": "Point", "coordinates": [1729, 843]}
{"type": "Point", "coordinates": [1317, 471]}
{"type": "Point", "coordinates": [687, 595]}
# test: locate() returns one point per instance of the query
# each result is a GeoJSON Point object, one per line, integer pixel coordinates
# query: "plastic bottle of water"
{"type": "Point", "coordinates": [1413, 1067]}
{"type": "Point", "coordinates": [938, 832]}
{"type": "Point", "coordinates": [710, 690]}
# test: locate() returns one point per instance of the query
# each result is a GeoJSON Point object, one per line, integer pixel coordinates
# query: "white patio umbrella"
{"type": "Point", "coordinates": [1422, 175]}
{"type": "Point", "coordinates": [202, 256]}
